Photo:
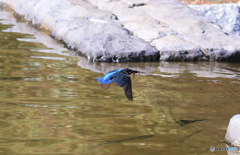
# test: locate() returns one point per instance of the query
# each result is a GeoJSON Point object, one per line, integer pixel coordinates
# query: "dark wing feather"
{"type": "Point", "coordinates": [124, 81]}
{"type": "Point", "coordinates": [105, 86]}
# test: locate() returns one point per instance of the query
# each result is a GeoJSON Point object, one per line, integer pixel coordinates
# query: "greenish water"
{"type": "Point", "coordinates": [51, 102]}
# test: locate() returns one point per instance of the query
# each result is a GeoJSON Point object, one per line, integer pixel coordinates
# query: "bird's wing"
{"type": "Point", "coordinates": [124, 81]}
{"type": "Point", "coordinates": [106, 79]}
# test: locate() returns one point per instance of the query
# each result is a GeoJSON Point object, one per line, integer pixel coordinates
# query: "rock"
{"type": "Point", "coordinates": [233, 131]}
{"type": "Point", "coordinates": [195, 29]}
{"type": "Point", "coordinates": [173, 18]}
{"type": "Point", "coordinates": [91, 32]}
{"type": "Point", "coordinates": [225, 15]}
{"type": "Point", "coordinates": [169, 49]}
{"type": "Point", "coordinates": [101, 41]}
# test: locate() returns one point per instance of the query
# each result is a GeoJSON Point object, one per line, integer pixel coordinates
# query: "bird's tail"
{"type": "Point", "coordinates": [101, 80]}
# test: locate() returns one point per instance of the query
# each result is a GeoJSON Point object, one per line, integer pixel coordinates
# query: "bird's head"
{"type": "Point", "coordinates": [128, 71]}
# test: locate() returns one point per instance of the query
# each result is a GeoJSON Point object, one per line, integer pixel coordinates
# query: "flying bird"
{"type": "Point", "coordinates": [120, 77]}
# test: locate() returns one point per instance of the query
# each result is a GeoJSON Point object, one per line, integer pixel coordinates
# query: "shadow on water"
{"type": "Point", "coordinates": [51, 102]}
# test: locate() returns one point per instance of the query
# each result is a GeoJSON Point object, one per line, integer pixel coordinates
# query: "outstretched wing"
{"type": "Point", "coordinates": [124, 81]}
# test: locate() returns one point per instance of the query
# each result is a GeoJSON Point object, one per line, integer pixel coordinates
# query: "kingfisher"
{"type": "Point", "coordinates": [120, 77]}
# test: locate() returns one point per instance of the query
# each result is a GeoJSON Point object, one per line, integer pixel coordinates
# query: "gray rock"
{"type": "Point", "coordinates": [104, 42]}
{"type": "Point", "coordinates": [169, 47]}
{"type": "Point", "coordinates": [90, 31]}
{"type": "Point", "coordinates": [233, 131]}
{"type": "Point", "coordinates": [225, 15]}
{"type": "Point", "coordinates": [192, 27]}
{"type": "Point", "coordinates": [165, 18]}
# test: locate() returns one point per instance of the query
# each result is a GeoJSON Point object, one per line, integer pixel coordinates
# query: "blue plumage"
{"type": "Point", "coordinates": [120, 77]}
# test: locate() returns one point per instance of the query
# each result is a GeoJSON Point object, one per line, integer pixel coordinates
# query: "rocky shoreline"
{"type": "Point", "coordinates": [130, 30]}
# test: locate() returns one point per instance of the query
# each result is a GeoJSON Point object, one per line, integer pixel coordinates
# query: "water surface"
{"type": "Point", "coordinates": [51, 102]}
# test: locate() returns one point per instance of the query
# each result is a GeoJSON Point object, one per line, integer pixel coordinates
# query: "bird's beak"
{"type": "Point", "coordinates": [133, 72]}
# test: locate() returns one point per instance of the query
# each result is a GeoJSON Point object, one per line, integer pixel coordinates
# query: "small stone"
{"type": "Point", "coordinates": [233, 131]}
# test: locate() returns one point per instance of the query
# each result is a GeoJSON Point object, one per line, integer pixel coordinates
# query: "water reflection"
{"type": "Point", "coordinates": [51, 102]}
{"type": "Point", "coordinates": [170, 69]}
{"type": "Point", "coordinates": [203, 69]}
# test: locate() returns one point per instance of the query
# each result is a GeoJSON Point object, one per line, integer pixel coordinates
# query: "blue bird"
{"type": "Point", "coordinates": [120, 77]}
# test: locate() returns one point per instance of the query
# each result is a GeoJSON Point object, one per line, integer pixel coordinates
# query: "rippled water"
{"type": "Point", "coordinates": [51, 102]}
